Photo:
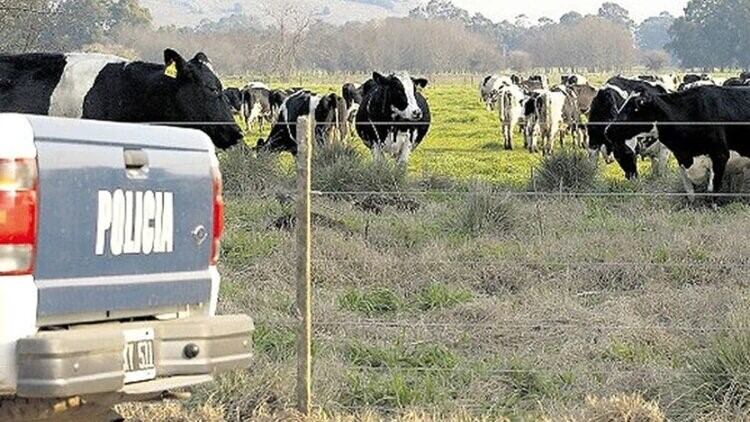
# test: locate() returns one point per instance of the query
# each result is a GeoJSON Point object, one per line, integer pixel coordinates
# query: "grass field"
{"type": "Point", "coordinates": [462, 298]}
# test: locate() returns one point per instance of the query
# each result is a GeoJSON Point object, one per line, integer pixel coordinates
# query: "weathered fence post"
{"type": "Point", "coordinates": [304, 266]}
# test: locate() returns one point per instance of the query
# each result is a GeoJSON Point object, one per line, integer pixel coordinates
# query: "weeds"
{"type": "Point", "coordinates": [566, 170]}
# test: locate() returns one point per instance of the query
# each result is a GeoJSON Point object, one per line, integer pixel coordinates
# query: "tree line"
{"type": "Point", "coordinates": [435, 37]}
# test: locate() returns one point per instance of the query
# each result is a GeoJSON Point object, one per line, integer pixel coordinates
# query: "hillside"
{"type": "Point", "coordinates": [192, 12]}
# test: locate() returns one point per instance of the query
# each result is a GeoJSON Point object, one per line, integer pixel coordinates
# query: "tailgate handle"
{"type": "Point", "coordinates": [135, 159]}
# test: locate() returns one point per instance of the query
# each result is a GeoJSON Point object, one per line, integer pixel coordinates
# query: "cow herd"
{"type": "Point", "coordinates": [700, 120]}
{"type": "Point", "coordinates": [388, 112]}
{"type": "Point", "coordinates": [703, 122]}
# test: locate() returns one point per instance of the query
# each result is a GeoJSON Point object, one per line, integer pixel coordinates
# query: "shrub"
{"type": "Point", "coordinates": [246, 172]}
{"type": "Point", "coordinates": [341, 168]}
{"type": "Point", "coordinates": [721, 376]}
{"type": "Point", "coordinates": [441, 296]}
{"type": "Point", "coordinates": [371, 303]}
{"type": "Point", "coordinates": [566, 170]}
{"type": "Point", "coordinates": [485, 208]}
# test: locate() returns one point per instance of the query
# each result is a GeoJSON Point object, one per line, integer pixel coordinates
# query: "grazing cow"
{"type": "Point", "coordinates": [694, 77]}
{"type": "Point", "coordinates": [234, 98]}
{"type": "Point", "coordinates": [573, 80]}
{"type": "Point", "coordinates": [669, 82]}
{"type": "Point", "coordinates": [571, 116]}
{"type": "Point", "coordinates": [352, 95]}
{"type": "Point", "coordinates": [512, 113]}
{"type": "Point", "coordinates": [103, 87]}
{"type": "Point", "coordinates": [711, 105]}
{"type": "Point", "coordinates": [276, 99]}
{"type": "Point", "coordinates": [322, 112]}
{"type": "Point", "coordinates": [690, 85]}
{"type": "Point", "coordinates": [544, 116]}
{"type": "Point", "coordinates": [256, 105]}
{"type": "Point", "coordinates": [604, 109]}
{"type": "Point", "coordinates": [394, 116]}
{"type": "Point", "coordinates": [490, 89]}
{"type": "Point", "coordinates": [736, 82]}
{"type": "Point", "coordinates": [535, 82]}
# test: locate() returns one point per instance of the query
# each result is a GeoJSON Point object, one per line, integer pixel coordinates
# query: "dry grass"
{"type": "Point", "coordinates": [461, 298]}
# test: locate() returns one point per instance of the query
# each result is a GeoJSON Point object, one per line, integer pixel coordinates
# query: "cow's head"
{"type": "Point", "coordinates": [635, 119]}
{"type": "Point", "coordinates": [400, 94]}
{"type": "Point", "coordinates": [199, 97]}
{"type": "Point", "coordinates": [327, 113]}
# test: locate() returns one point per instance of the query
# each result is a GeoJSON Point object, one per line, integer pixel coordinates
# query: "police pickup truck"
{"type": "Point", "coordinates": [109, 239]}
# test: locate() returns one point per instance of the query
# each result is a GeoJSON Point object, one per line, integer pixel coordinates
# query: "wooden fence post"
{"type": "Point", "coordinates": [304, 266]}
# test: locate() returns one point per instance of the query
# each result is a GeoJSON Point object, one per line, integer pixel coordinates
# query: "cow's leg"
{"type": "Point", "coordinates": [405, 154]}
{"type": "Point", "coordinates": [719, 166]}
{"type": "Point", "coordinates": [687, 183]}
{"type": "Point", "coordinates": [377, 152]}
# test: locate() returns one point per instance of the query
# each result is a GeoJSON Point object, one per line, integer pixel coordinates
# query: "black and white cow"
{"type": "Point", "coordinates": [604, 109]}
{"type": "Point", "coordinates": [723, 110]}
{"type": "Point", "coordinates": [737, 82]}
{"type": "Point", "coordinates": [234, 98]}
{"type": "Point", "coordinates": [256, 105]}
{"type": "Point", "coordinates": [352, 95]}
{"type": "Point", "coordinates": [669, 82]}
{"type": "Point", "coordinates": [321, 109]}
{"type": "Point", "coordinates": [490, 89]}
{"type": "Point", "coordinates": [104, 87]}
{"type": "Point", "coordinates": [573, 80]}
{"type": "Point", "coordinates": [394, 116]}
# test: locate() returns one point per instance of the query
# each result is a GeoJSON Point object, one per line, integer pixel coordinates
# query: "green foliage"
{"type": "Point", "coordinates": [721, 375]}
{"type": "Point", "coordinates": [374, 302]}
{"type": "Point", "coordinates": [565, 170]}
{"type": "Point", "coordinates": [415, 355]}
{"type": "Point", "coordinates": [275, 342]}
{"type": "Point", "coordinates": [441, 296]}
{"type": "Point", "coordinates": [485, 209]}
{"type": "Point", "coordinates": [247, 173]}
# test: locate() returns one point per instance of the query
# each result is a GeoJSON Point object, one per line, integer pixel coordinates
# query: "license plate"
{"type": "Point", "coordinates": [138, 356]}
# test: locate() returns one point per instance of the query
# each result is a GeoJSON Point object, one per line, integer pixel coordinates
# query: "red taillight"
{"type": "Point", "coordinates": [218, 226]}
{"type": "Point", "coordinates": [18, 210]}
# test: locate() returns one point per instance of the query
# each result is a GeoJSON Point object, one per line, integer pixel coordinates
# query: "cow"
{"type": "Point", "coordinates": [322, 111]}
{"type": "Point", "coordinates": [256, 105]}
{"type": "Point", "coordinates": [104, 87]}
{"type": "Point", "coordinates": [276, 99]}
{"type": "Point", "coordinates": [511, 113]}
{"type": "Point", "coordinates": [690, 85]}
{"type": "Point", "coordinates": [571, 116]}
{"type": "Point", "coordinates": [490, 88]}
{"type": "Point", "coordinates": [394, 116]}
{"type": "Point", "coordinates": [714, 126]}
{"type": "Point", "coordinates": [573, 80]}
{"type": "Point", "coordinates": [544, 117]}
{"type": "Point", "coordinates": [669, 82]}
{"type": "Point", "coordinates": [535, 82]}
{"type": "Point", "coordinates": [691, 78]}
{"type": "Point", "coordinates": [736, 82]}
{"type": "Point", "coordinates": [531, 127]}
{"type": "Point", "coordinates": [604, 110]}
{"type": "Point", "coordinates": [352, 95]}
{"type": "Point", "coordinates": [233, 96]}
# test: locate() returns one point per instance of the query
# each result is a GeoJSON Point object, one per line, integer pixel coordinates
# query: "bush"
{"type": "Point", "coordinates": [246, 172]}
{"type": "Point", "coordinates": [485, 209]}
{"type": "Point", "coordinates": [341, 168]}
{"type": "Point", "coordinates": [566, 170]}
{"type": "Point", "coordinates": [621, 408]}
{"type": "Point", "coordinates": [721, 376]}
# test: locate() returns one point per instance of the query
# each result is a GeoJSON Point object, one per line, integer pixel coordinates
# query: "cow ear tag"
{"type": "Point", "coordinates": [171, 70]}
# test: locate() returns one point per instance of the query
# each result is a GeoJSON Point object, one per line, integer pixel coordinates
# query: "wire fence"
{"type": "Point", "coordinates": [619, 292]}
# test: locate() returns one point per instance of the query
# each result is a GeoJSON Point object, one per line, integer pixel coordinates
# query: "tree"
{"type": "Point", "coordinates": [570, 18]}
{"type": "Point", "coordinates": [653, 33]}
{"type": "Point", "coordinates": [713, 33]}
{"type": "Point", "coordinates": [615, 13]}
{"type": "Point", "coordinates": [656, 60]}
{"type": "Point", "coordinates": [519, 61]}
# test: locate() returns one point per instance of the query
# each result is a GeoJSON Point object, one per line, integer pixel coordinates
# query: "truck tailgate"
{"type": "Point", "coordinates": [124, 220]}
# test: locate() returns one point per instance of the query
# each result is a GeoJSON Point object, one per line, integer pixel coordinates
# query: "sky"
{"type": "Point", "coordinates": [498, 10]}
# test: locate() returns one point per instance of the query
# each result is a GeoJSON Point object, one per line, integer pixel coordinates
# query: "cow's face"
{"type": "Point", "coordinates": [199, 97]}
{"type": "Point", "coordinates": [632, 122]}
{"type": "Point", "coordinates": [326, 115]}
{"type": "Point", "coordinates": [401, 90]}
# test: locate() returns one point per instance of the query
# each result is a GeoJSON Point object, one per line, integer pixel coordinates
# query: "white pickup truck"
{"type": "Point", "coordinates": [109, 239]}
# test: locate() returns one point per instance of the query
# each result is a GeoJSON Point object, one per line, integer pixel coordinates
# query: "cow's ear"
{"type": "Point", "coordinates": [420, 82]}
{"type": "Point", "coordinates": [202, 57]}
{"type": "Point", "coordinates": [379, 79]}
{"type": "Point", "coordinates": [174, 65]}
